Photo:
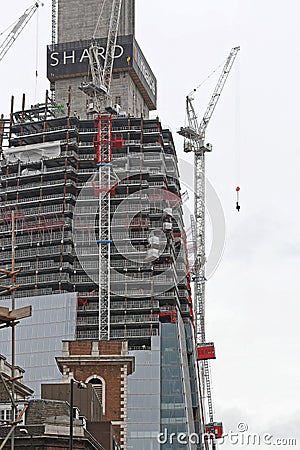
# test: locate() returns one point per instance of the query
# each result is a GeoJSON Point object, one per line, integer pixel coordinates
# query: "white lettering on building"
{"type": "Point", "coordinates": [147, 76]}
{"type": "Point", "coordinates": [84, 55]}
{"type": "Point", "coordinates": [54, 58]}
{"type": "Point", "coordinates": [69, 57]}
{"type": "Point", "coordinates": [80, 56]}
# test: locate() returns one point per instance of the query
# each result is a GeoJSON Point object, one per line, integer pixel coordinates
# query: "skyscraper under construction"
{"type": "Point", "coordinates": [52, 178]}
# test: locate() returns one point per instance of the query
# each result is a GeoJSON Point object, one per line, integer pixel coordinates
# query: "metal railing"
{"type": "Point", "coordinates": [41, 238]}
{"type": "Point", "coordinates": [135, 318]}
{"type": "Point", "coordinates": [87, 334]}
{"type": "Point", "coordinates": [124, 263]}
{"type": "Point", "coordinates": [88, 307]}
{"type": "Point", "coordinates": [134, 333]}
{"type": "Point", "coordinates": [127, 250]}
{"type": "Point", "coordinates": [59, 197]}
{"type": "Point", "coordinates": [48, 130]}
{"type": "Point", "coordinates": [37, 211]}
{"type": "Point", "coordinates": [134, 182]}
{"type": "Point", "coordinates": [43, 278]}
{"type": "Point", "coordinates": [81, 279]}
{"type": "Point", "coordinates": [51, 250]}
{"type": "Point", "coordinates": [129, 304]}
{"type": "Point", "coordinates": [87, 320]}
{"type": "Point", "coordinates": [151, 130]}
{"type": "Point", "coordinates": [127, 128]}
{"type": "Point", "coordinates": [40, 185]}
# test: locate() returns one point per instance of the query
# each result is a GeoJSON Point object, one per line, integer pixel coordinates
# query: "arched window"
{"type": "Point", "coordinates": [99, 386]}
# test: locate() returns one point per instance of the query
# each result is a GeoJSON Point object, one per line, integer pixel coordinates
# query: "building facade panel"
{"type": "Point", "coordinates": [78, 19]}
{"type": "Point", "coordinates": [39, 337]}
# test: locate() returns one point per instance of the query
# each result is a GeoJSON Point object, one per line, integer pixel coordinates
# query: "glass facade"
{"type": "Point", "coordinates": [39, 337]}
{"type": "Point", "coordinates": [144, 399]}
{"type": "Point", "coordinates": [176, 400]}
{"type": "Point", "coordinates": [162, 394]}
{"type": "Point", "coordinates": [173, 404]}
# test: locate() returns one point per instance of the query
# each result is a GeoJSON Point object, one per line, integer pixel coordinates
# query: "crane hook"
{"type": "Point", "coordinates": [237, 198]}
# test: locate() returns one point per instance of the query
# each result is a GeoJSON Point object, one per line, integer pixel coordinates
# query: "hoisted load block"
{"type": "Point", "coordinates": [215, 428]}
{"type": "Point", "coordinates": [206, 351]}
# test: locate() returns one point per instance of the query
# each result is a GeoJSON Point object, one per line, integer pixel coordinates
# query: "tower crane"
{"type": "Point", "coordinates": [98, 91]}
{"type": "Point", "coordinates": [194, 136]}
{"type": "Point", "coordinates": [17, 29]}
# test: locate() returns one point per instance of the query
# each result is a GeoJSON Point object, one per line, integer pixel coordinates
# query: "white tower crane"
{"type": "Point", "coordinates": [98, 91]}
{"type": "Point", "coordinates": [98, 88]}
{"type": "Point", "coordinates": [20, 25]}
{"type": "Point", "coordinates": [194, 135]}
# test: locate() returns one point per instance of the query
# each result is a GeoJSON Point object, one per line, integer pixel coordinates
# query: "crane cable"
{"type": "Point", "coordinates": [207, 78]}
{"type": "Point", "coordinates": [99, 19]}
{"type": "Point", "coordinates": [237, 137]}
{"type": "Point", "coordinates": [36, 55]}
{"type": "Point", "coordinates": [202, 82]}
{"type": "Point", "coordinates": [9, 26]}
{"type": "Point", "coordinates": [199, 86]}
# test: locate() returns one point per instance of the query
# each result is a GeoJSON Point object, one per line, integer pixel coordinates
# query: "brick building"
{"type": "Point", "coordinates": [105, 365]}
{"type": "Point", "coordinates": [45, 424]}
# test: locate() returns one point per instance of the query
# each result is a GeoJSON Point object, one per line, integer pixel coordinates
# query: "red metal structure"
{"type": "Point", "coordinates": [206, 351]}
{"type": "Point", "coordinates": [169, 315]}
{"type": "Point", "coordinates": [214, 428]}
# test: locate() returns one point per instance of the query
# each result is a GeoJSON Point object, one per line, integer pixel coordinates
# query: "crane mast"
{"type": "Point", "coordinates": [53, 41]}
{"type": "Point", "coordinates": [54, 22]}
{"type": "Point", "coordinates": [194, 136]}
{"type": "Point", "coordinates": [17, 29]}
{"type": "Point", "coordinates": [99, 101]}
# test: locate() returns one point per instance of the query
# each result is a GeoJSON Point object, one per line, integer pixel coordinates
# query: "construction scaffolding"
{"type": "Point", "coordinates": [10, 318]}
{"type": "Point", "coordinates": [49, 159]}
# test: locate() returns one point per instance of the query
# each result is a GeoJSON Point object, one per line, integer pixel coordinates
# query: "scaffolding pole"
{"type": "Point", "coordinates": [10, 318]}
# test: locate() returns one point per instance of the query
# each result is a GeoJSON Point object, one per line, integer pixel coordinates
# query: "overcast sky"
{"type": "Point", "coordinates": [253, 298]}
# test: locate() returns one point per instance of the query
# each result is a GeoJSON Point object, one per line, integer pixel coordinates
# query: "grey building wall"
{"type": "Point", "coordinates": [86, 400]}
{"type": "Point", "coordinates": [123, 91]}
{"type": "Point", "coordinates": [39, 337]}
{"type": "Point", "coordinates": [77, 19]}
